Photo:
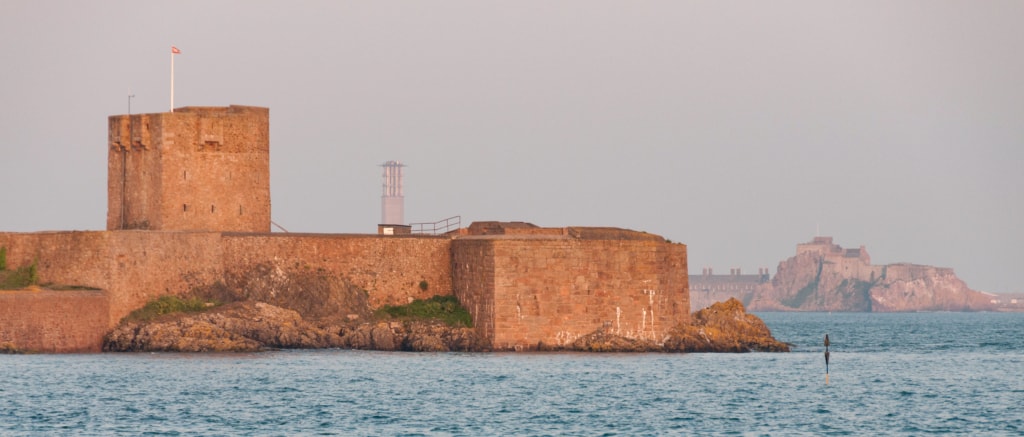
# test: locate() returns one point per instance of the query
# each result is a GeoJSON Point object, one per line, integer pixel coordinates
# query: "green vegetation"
{"type": "Point", "coordinates": [3, 258]}
{"type": "Point", "coordinates": [444, 308]}
{"type": "Point", "coordinates": [21, 278]}
{"type": "Point", "coordinates": [170, 304]}
{"type": "Point", "coordinates": [423, 285]}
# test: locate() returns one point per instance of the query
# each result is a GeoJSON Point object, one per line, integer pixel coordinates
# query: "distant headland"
{"type": "Point", "coordinates": [823, 276]}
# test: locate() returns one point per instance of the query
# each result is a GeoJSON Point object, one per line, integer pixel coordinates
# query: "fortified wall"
{"type": "Point", "coordinates": [522, 290]}
{"type": "Point", "coordinates": [189, 208]}
{"type": "Point", "coordinates": [135, 267]}
{"type": "Point", "coordinates": [553, 285]}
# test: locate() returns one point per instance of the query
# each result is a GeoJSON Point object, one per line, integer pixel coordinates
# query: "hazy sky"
{"type": "Point", "coordinates": [738, 128]}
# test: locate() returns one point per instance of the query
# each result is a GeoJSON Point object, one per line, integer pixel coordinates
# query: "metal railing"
{"type": "Point", "coordinates": [439, 227]}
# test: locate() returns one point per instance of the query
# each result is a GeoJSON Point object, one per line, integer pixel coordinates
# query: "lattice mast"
{"type": "Point", "coordinates": [392, 200]}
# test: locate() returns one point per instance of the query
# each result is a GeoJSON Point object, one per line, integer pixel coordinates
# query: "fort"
{"type": "Point", "coordinates": [189, 207]}
{"type": "Point", "coordinates": [824, 276]}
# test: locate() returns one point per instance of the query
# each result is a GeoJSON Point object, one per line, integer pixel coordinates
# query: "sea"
{"type": "Point", "coordinates": [888, 374]}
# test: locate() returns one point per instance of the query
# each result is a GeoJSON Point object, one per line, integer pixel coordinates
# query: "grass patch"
{"type": "Point", "coordinates": [20, 278]}
{"type": "Point", "coordinates": [170, 304]}
{"type": "Point", "coordinates": [444, 308]}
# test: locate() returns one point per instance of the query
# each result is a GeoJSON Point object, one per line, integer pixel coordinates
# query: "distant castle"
{"type": "Point", "coordinates": [827, 263]}
{"type": "Point", "coordinates": [856, 263]}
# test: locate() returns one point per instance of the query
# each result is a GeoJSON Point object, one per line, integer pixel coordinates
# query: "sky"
{"type": "Point", "coordinates": [740, 128]}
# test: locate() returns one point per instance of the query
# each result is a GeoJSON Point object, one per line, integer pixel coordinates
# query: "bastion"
{"type": "Point", "coordinates": [189, 207]}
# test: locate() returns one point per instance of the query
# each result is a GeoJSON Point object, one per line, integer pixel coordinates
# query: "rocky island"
{"type": "Point", "coordinates": [823, 276]}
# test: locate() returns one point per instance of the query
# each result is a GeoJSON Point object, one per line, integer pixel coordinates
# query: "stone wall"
{"type": "Point", "coordinates": [522, 290]}
{"type": "Point", "coordinates": [553, 290]}
{"type": "Point", "coordinates": [53, 321]}
{"type": "Point", "coordinates": [473, 281]}
{"type": "Point", "coordinates": [147, 264]}
{"type": "Point", "coordinates": [390, 268]}
{"type": "Point", "coordinates": [135, 267]}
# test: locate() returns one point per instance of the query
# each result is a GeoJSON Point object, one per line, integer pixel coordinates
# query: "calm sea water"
{"type": "Point", "coordinates": [910, 374]}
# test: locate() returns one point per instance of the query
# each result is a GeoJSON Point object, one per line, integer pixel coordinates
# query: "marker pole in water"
{"type": "Point", "coordinates": [826, 359]}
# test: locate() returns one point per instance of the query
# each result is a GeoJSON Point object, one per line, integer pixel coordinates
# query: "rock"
{"type": "Point", "coordinates": [724, 327]}
{"type": "Point", "coordinates": [432, 336]}
{"type": "Point", "coordinates": [412, 336]}
{"type": "Point", "coordinates": [604, 341]}
{"type": "Point", "coordinates": [314, 295]}
{"type": "Point", "coordinates": [9, 348]}
{"type": "Point", "coordinates": [242, 326]}
{"type": "Point", "coordinates": [927, 289]}
{"type": "Point", "coordinates": [254, 326]}
{"type": "Point", "coordinates": [378, 336]}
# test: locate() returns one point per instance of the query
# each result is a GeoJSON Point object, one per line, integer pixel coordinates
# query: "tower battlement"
{"type": "Point", "coordinates": [197, 168]}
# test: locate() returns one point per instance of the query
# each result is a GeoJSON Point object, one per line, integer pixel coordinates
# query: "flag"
{"type": "Point", "coordinates": [174, 50]}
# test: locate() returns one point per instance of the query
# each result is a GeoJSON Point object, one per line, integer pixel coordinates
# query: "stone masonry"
{"type": "Point", "coordinates": [197, 168]}
{"type": "Point", "coordinates": [526, 290]}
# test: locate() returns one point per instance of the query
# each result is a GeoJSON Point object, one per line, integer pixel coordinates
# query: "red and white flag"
{"type": "Point", "coordinates": [175, 50]}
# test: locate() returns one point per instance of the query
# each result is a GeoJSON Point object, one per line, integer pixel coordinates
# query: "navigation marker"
{"type": "Point", "coordinates": [826, 358]}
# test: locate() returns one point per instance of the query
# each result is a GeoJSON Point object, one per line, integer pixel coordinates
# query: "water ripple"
{"type": "Point", "coordinates": [886, 378]}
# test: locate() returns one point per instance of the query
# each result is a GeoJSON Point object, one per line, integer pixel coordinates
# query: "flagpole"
{"type": "Point", "coordinates": [172, 79]}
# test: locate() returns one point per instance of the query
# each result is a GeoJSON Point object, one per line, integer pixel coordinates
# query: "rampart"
{"type": "Point", "coordinates": [533, 290]}
{"type": "Point", "coordinates": [522, 290]}
{"type": "Point", "coordinates": [390, 268]}
{"type": "Point", "coordinates": [53, 321]}
{"type": "Point", "coordinates": [134, 267]}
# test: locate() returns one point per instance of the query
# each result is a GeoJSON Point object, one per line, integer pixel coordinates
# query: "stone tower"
{"type": "Point", "coordinates": [197, 168]}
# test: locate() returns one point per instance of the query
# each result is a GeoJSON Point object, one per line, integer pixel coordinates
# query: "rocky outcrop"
{"type": "Point", "coordinates": [412, 336]}
{"type": "Point", "coordinates": [9, 348]}
{"type": "Point", "coordinates": [807, 282]}
{"type": "Point", "coordinates": [237, 327]}
{"type": "Point", "coordinates": [315, 296]}
{"type": "Point", "coordinates": [836, 279]}
{"type": "Point", "coordinates": [255, 326]}
{"type": "Point", "coordinates": [724, 327]}
{"type": "Point", "coordinates": [926, 289]}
